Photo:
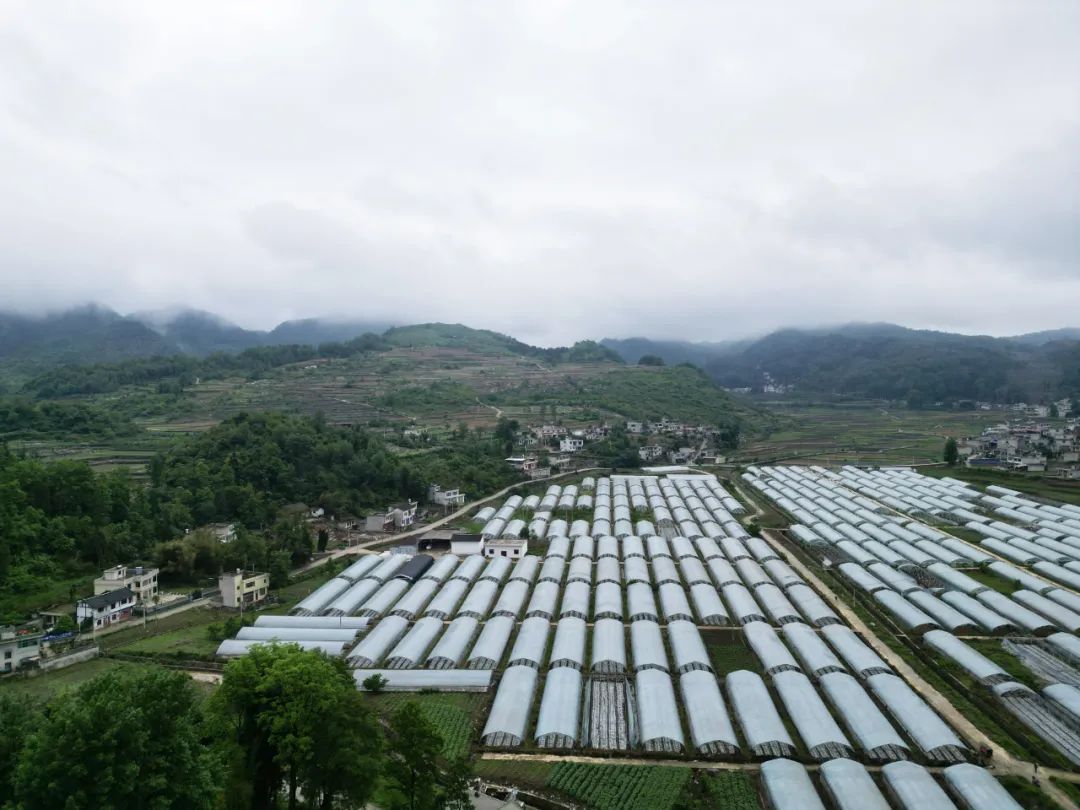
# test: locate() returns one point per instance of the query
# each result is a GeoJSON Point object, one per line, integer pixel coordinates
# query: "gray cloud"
{"type": "Point", "coordinates": [556, 171]}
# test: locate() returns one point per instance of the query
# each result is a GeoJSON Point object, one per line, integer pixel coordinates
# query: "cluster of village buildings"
{"type": "Point", "coordinates": [1026, 446]}
{"type": "Point", "coordinates": [658, 442]}
{"type": "Point", "coordinates": [1061, 407]}
{"type": "Point", "coordinates": [120, 593]}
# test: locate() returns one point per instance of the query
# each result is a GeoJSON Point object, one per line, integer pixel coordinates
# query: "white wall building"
{"type": "Point", "coordinates": [512, 547]}
{"type": "Point", "coordinates": [143, 582]}
{"type": "Point", "coordinates": [106, 608]}
{"type": "Point", "coordinates": [245, 588]}
{"type": "Point", "coordinates": [571, 444]}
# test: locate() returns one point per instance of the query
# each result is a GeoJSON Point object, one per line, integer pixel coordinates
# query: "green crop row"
{"type": "Point", "coordinates": [733, 790]}
{"type": "Point", "coordinates": [620, 787]}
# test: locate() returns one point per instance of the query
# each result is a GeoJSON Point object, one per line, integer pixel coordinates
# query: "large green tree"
{"type": "Point", "coordinates": [951, 454]}
{"type": "Point", "coordinates": [412, 764]}
{"type": "Point", "coordinates": [18, 717]}
{"type": "Point", "coordinates": [298, 724]}
{"type": "Point", "coordinates": [456, 783]}
{"type": "Point", "coordinates": [127, 740]}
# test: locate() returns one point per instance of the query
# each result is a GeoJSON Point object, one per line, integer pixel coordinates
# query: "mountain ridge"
{"type": "Point", "coordinates": [854, 360]}
{"type": "Point", "coordinates": [888, 361]}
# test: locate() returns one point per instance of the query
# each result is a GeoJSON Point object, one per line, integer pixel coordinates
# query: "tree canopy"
{"type": "Point", "coordinates": [298, 722]}
{"type": "Point", "coordinates": [129, 739]}
{"type": "Point", "coordinates": [952, 452]}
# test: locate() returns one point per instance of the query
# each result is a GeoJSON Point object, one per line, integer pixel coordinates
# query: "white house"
{"type": "Point", "coordinates": [463, 544]}
{"type": "Point", "coordinates": [243, 588]}
{"type": "Point", "coordinates": [547, 431]}
{"type": "Point", "coordinates": [523, 463]}
{"type": "Point", "coordinates": [19, 644]}
{"type": "Point", "coordinates": [106, 608]}
{"type": "Point", "coordinates": [650, 452]}
{"type": "Point", "coordinates": [143, 582]}
{"type": "Point", "coordinates": [512, 547]}
{"type": "Point", "coordinates": [446, 497]}
{"type": "Point", "coordinates": [571, 444]}
{"type": "Point", "coordinates": [396, 518]}
{"type": "Point", "coordinates": [224, 532]}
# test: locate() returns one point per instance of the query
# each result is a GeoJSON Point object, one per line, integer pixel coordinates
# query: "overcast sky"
{"type": "Point", "coordinates": [553, 170]}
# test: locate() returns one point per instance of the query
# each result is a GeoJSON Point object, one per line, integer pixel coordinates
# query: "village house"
{"type": "Point", "coordinates": [571, 444]}
{"type": "Point", "coordinates": [512, 547]}
{"type": "Point", "coordinates": [523, 463]}
{"type": "Point", "coordinates": [650, 452]}
{"type": "Point", "coordinates": [143, 582]}
{"type": "Point", "coordinates": [464, 544]}
{"type": "Point", "coordinates": [106, 608]}
{"type": "Point", "coordinates": [549, 431]}
{"type": "Point", "coordinates": [396, 518]}
{"type": "Point", "coordinates": [243, 588]}
{"type": "Point", "coordinates": [224, 532]}
{"type": "Point", "coordinates": [20, 645]}
{"type": "Point", "coordinates": [446, 498]}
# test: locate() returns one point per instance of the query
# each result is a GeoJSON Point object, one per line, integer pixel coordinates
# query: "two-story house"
{"type": "Point", "coordinates": [106, 608]}
{"type": "Point", "coordinates": [143, 582]}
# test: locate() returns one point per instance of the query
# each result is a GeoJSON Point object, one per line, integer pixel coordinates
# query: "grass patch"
{"type": "Point", "coordinates": [1071, 789]}
{"type": "Point", "coordinates": [970, 535]}
{"type": "Point", "coordinates": [991, 580]}
{"type": "Point", "coordinates": [1035, 484]}
{"type": "Point", "coordinates": [47, 684]}
{"type": "Point", "coordinates": [620, 787]}
{"type": "Point", "coordinates": [1027, 794]}
{"type": "Point", "coordinates": [624, 787]}
{"type": "Point", "coordinates": [454, 714]}
{"type": "Point", "coordinates": [193, 621]}
{"type": "Point", "coordinates": [1006, 660]}
{"type": "Point", "coordinates": [47, 594]}
{"type": "Point", "coordinates": [192, 640]}
{"type": "Point", "coordinates": [520, 773]}
{"type": "Point", "coordinates": [732, 790]}
{"type": "Point", "coordinates": [729, 652]}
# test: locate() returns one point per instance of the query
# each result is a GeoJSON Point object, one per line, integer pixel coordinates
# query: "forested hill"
{"type": "Point", "coordinates": [59, 519]}
{"type": "Point", "coordinates": [95, 335]}
{"type": "Point", "coordinates": [884, 361]}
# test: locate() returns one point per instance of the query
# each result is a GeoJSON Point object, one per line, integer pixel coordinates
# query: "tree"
{"type": "Point", "coordinates": [651, 360]}
{"type": "Point", "coordinates": [298, 722]}
{"type": "Point", "coordinates": [952, 452]}
{"type": "Point", "coordinates": [126, 739]}
{"type": "Point", "coordinates": [374, 683]}
{"type": "Point", "coordinates": [279, 569]}
{"type": "Point", "coordinates": [455, 785]}
{"type": "Point", "coordinates": [412, 761]}
{"type": "Point", "coordinates": [346, 758]}
{"type": "Point", "coordinates": [18, 716]}
{"type": "Point", "coordinates": [65, 624]}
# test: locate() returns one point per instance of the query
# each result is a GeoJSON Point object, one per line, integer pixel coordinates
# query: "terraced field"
{"type": "Point", "coordinates": [863, 434]}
